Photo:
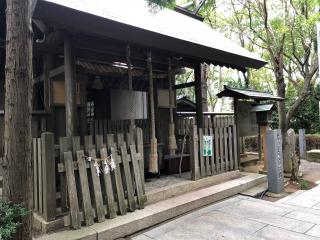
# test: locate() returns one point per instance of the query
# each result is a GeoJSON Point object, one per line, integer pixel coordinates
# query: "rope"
{"type": "Point", "coordinates": [104, 165]}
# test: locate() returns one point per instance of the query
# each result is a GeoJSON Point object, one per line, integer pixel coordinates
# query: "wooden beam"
{"type": "Point", "coordinates": [198, 91]}
{"type": "Point", "coordinates": [52, 73]}
{"type": "Point", "coordinates": [56, 71]}
{"type": "Point", "coordinates": [70, 85]}
{"type": "Point", "coordinates": [47, 65]}
{"type": "Point", "coordinates": [185, 85]}
{"type": "Point", "coordinates": [115, 49]}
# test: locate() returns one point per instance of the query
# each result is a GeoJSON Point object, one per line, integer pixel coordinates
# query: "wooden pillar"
{"type": "Point", "coordinates": [236, 112]}
{"type": "Point", "coordinates": [198, 92]}
{"type": "Point", "coordinates": [172, 138]}
{"type": "Point", "coordinates": [128, 57]}
{"type": "Point", "coordinates": [153, 158]}
{"type": "Point", "coordinates": [264, 146]}
{"type": "Point", "coordinates": [70, 85]}
{"type": "Point", "coordinates": [47, 66]}
{"type": "Point", "coordinates": [49, 176]}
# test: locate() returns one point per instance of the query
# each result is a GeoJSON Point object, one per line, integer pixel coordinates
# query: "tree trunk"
{"type": "Point", "coordinates": [18, 105]}
{"type": "Point", "coordinates": [290, 161]}
{"type": "Point", "coordinates": [204, 85]}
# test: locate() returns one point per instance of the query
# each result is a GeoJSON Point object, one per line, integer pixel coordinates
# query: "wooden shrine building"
{"type": "Point", "coordinates": [104, 89]}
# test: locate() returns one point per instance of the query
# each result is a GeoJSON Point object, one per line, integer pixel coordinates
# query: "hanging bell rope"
{"type": "Point", "coordinates": [172, 138]}
{"type": "Point", "coordinates": [153, 157]}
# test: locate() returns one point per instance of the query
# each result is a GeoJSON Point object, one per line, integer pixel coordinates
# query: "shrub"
{"type": "Point", "coordinates": [10, 218]}
{"type": "Point", "coordinates": [304, 185]}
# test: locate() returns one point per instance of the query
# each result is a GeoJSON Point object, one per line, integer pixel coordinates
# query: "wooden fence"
{"type": "Point", "coordinates": [224, 157]}
{"type": "Point", "coordinates": [44, 176]}
{"type": "Point", "coordinates": [78, 191]}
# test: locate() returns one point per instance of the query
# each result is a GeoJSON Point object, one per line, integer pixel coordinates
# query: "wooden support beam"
{"type": "Point", "coordinates": [185, 85]}
{"type": "Point", "coordinates": [198, 91]}
{"type": "Point", "coordinates": [70, 85]}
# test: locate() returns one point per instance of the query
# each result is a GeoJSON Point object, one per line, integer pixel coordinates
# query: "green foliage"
{"type": "Point", "coordinates": [156, 5]}
{"type": "Point", "coordinates": [304, 185]}
{"type": "Point", "coordinates": [307, 115]}
{"type": "Point", "coordinates": [10, 218]}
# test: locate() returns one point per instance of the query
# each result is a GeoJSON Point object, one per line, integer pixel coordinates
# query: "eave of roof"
{"type": "Point", "coordinates": [132, 21]}
{"type": "Point", "coordinates": [262, 107]}
{"type": "Point", "coordinates": [247, 94]}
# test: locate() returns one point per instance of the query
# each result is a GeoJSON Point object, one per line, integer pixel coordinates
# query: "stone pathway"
{"type": "Point", "coordinates": [296, 217]}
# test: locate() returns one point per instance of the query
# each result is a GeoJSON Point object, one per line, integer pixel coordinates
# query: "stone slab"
{"type": "Point", "coordinates": [141, 237]}
{"type": "Point", "coordinates": [314, 231]}
{"type": "Point", "coordinates": [272, 233]}
{"type": "Point", "coordinates": [303, 216]}
{"type": "Point", "coordinates": [170, 208]}
{"type": "Point", "coordinates": [268, 214]}
{"type": "Point", "coordinates": [304, 200]}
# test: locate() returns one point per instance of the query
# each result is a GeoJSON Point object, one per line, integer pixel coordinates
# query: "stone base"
{"type": "Point", "coordinates": [42, 226]}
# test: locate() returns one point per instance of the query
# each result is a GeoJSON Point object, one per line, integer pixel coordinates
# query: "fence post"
{"type": "Point", "coordinates": [302, 143]}
{"type": "Point", "coordinates": [194, 152]}
{"type": "Point", "coordinates": [48, 176]}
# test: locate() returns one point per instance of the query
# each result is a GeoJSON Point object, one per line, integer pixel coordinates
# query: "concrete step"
{"type": "Point", "coordinates": [161, 211]}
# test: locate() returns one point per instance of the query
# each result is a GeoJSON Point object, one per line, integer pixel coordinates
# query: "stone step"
{"type": "Point", "coordinates": [249, 159]}
{"type": "Point", "coordinates": [161, 211]}
{"type": "Point", "coordinates": [176, 189]}
{"type": "Point", "coordinates": [255, 191]}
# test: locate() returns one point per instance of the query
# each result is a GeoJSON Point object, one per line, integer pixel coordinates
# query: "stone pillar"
{"type": "Point", "coordinates": [302, 144]}
{"type": "Point", "coordinates": [289, 156]}
{"type": "Point", "coordinates": [275, 161]}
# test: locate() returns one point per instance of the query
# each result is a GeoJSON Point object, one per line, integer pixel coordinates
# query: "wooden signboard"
{"type": "Point", "coordinates": [57, 93]}
{"type": "Point", "coordinates": [247, 120]}
{"type": "Point", "coordinates": [163, 98]}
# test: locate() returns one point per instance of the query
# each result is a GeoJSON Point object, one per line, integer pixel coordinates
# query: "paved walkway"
{"type": "Point", "coordinates": [296, 217]}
